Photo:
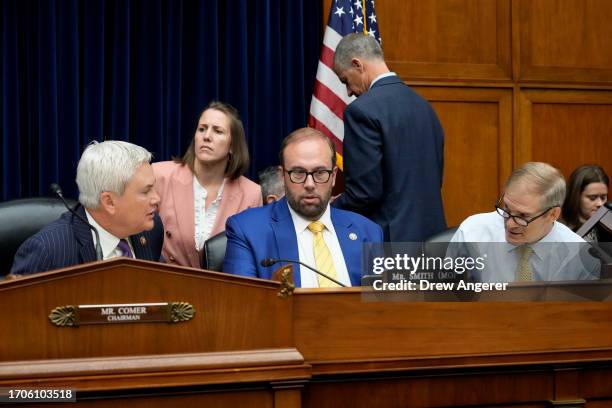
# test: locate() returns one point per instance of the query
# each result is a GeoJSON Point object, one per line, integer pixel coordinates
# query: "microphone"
{"type": "Point", "coordinates": [57, 190]}
{"type": "Point", "coordinates": [271, 261]}
{"type": "Point", "coordinates": [608, 205]}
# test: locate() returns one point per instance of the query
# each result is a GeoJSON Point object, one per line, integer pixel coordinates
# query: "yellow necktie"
{"type": "Point", "coordinates": [323, 258]}
{"type": "Point", "coordinates": [523, 269]}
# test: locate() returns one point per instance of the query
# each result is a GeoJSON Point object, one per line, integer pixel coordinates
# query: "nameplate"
{"type": "Point", "coordinates": [169, 312]}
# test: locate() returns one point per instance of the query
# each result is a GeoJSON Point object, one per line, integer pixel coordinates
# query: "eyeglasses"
{"type": "Point", "coordinates": [523, 222]}
{"type": "Point", "coordinates": [318, 176]}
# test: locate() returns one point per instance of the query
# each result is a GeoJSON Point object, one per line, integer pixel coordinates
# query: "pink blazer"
{"type": "Point", "coordinates": [174, 183]}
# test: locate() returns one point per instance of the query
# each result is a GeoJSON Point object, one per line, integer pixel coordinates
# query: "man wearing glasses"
{"type": "Point", "coordinates": [521, 240]}
{"type": "Point", "coordinates": [302, 226]}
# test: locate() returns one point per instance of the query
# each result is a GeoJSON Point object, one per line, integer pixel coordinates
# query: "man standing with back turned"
{"type": "Point", "coordinates": [393, 146]}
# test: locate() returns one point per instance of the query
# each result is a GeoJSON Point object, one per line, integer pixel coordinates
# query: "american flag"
{"type": "Point", "coordinates": [329, 97]}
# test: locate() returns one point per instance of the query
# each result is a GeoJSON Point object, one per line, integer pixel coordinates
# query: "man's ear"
{"type": "Point", "coordinates": [357, 64]}
{"type": "Point", "coordinates": [108, 202]}
{"type": "Point", "coordinates": [334, 173]}
{"type": "Point", "coordinates": [555, 213]}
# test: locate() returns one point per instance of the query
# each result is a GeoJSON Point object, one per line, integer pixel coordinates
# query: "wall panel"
{"type": "Point", "coordinates": [565, 40]}
{"type": "Point", "coordinates": [477, 124]}
{"type": "Point", "coordinates": [565, 128]}
{"type": "Point", "coordinates": [447, 39]}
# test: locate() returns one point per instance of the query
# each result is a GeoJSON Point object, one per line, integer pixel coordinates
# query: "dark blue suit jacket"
{"type": "Point", "coordinates": [68, 241]}
{"type": "Point", "coordinates": [394, 161]}
{"type": "Point", "coordinates": [268, 232]}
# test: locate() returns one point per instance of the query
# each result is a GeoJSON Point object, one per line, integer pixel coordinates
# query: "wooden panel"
{"type": "Point", "coordinates": [251, 399]}
{"type": "Point", "coordinates": [433, 391]}
{"type": "Point", "coordinates": [599, 404]}
{"type": "Point", "coordinates": [597, 383]}
{"type": "Point", "coordinates": [427, 334]}
{"type": "Point", "coordinates": [450, 39]}
{"type": "Point", "coordinates": [565, 40]}
{"type": "Point", "coordinates": [478, 146]}
{"type": "Point", "coordinates": [565, 128]}
{"type": "Point", "coordinates": [131, 281]}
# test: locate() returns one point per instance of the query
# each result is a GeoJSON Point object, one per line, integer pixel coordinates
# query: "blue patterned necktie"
{"type": "Point", "coordinates": [124, 247]}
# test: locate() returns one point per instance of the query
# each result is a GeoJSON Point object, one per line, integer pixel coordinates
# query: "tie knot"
{"type": "Point", "coordinates": [526, 251]}
{"type": "Point", "coordinates": [124, 247]}
{"type": "Point", "coordinates": [315, 227]}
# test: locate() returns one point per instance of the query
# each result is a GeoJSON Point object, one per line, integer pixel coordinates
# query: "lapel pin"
{"type": "Point", "coordinates": [143, 241]}
{"type": "Point", "coordinates": [352, 236]}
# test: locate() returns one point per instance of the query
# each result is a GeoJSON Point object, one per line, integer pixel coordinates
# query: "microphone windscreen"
{"type": "Point", "coordinates": [55, 188]}
{"type": "Point", "coordinates": [267, 262]}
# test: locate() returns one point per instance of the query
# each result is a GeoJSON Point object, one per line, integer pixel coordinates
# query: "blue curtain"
{"type": "Point", "coordinates": [142, 70]}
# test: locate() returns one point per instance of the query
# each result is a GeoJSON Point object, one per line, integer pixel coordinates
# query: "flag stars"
{"type": "Point", "coordinates": [372, 18]}
{"type": "Point", "coordinates": [371, 33]}
{"type": "Point", "coordinates": [358, 20]}
{"type": "Point", "coordinates": [339, 11]}
{"type": "Point", "coordinates": [352, 13]}
{"type": "Point", "coordinates": [357, 4]}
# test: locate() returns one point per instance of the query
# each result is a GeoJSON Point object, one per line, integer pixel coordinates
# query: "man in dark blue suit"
{"type": "Point", "coordinates": [117, 196]}
{"type": "Point", "coordinates": [393, 146]}
{"type": "Point", "coordinates": [302, 226]}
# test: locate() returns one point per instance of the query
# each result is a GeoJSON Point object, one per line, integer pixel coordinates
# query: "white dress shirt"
{"type": "Point", "coordinates": [108, 241]}
{"type": "Point", "coordinates": [204, 218]}
{"type": "Point", "coordinates": [305, 240]}
{"type": "Point", "coordinates": [561, 255]}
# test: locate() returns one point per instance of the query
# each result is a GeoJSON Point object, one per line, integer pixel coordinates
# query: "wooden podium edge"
{"type": "Point", "coordinates": [461, 362]}
{"type": "Point", "coordinates": [169, 370]}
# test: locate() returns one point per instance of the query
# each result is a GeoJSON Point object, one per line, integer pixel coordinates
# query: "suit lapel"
{"type": "Point", "coordinates": [351, 248]}
{"type": "Point", "coordinates": [140, 244]}
{"type": "Point", "coordinates": [182, 194]}
{"type": "Point", "coordinates": [229, 205]}
{"type": "Point", "coordinates": [284, 234]}
{"type": "Point", "coordinates": [82, 234]}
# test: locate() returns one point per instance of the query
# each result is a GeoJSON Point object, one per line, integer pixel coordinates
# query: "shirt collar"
{"type": "Point", "coordinates": [302, 223]}
{"type": "Point", "coordinates": [540, 248]}
{"type": "Point", "coordinates": [108, 241]}
{"type": "Point", "coordinates": [381, 76]}
{"type": "Point", "coordinates": [200, 188]}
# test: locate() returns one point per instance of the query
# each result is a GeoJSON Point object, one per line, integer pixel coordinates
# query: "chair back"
{"type": "Point", "coordinates": [436, 245]}
{"type": "Point", "coordinates": [22, 218]}
{"type": "Point", "coordinates": [214, 252]}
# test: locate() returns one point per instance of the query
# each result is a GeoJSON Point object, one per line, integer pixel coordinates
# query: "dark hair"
{"type": "Point", "coordinates": [303, 133]}
{"type": "Point", "coordinates": [578, 181]}
{"type": "Point", "coordinates": [238, 161]}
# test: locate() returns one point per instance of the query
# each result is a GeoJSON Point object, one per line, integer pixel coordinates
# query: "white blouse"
{"type": "Point", "coordinates": [204, 219]}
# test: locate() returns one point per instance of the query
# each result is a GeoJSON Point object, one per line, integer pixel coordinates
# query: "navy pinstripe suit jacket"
{"type": "Point", "coordinates": [68, 241]}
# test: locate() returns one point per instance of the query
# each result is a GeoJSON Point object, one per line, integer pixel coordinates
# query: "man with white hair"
{"type": "Point", "coordinates": [522, 240]}
{"type": "Point", "coordinates": [117, 197]}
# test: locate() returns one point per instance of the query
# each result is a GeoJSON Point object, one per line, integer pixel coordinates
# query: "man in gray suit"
{"type": "Point", "coordinates": [117, 197]}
